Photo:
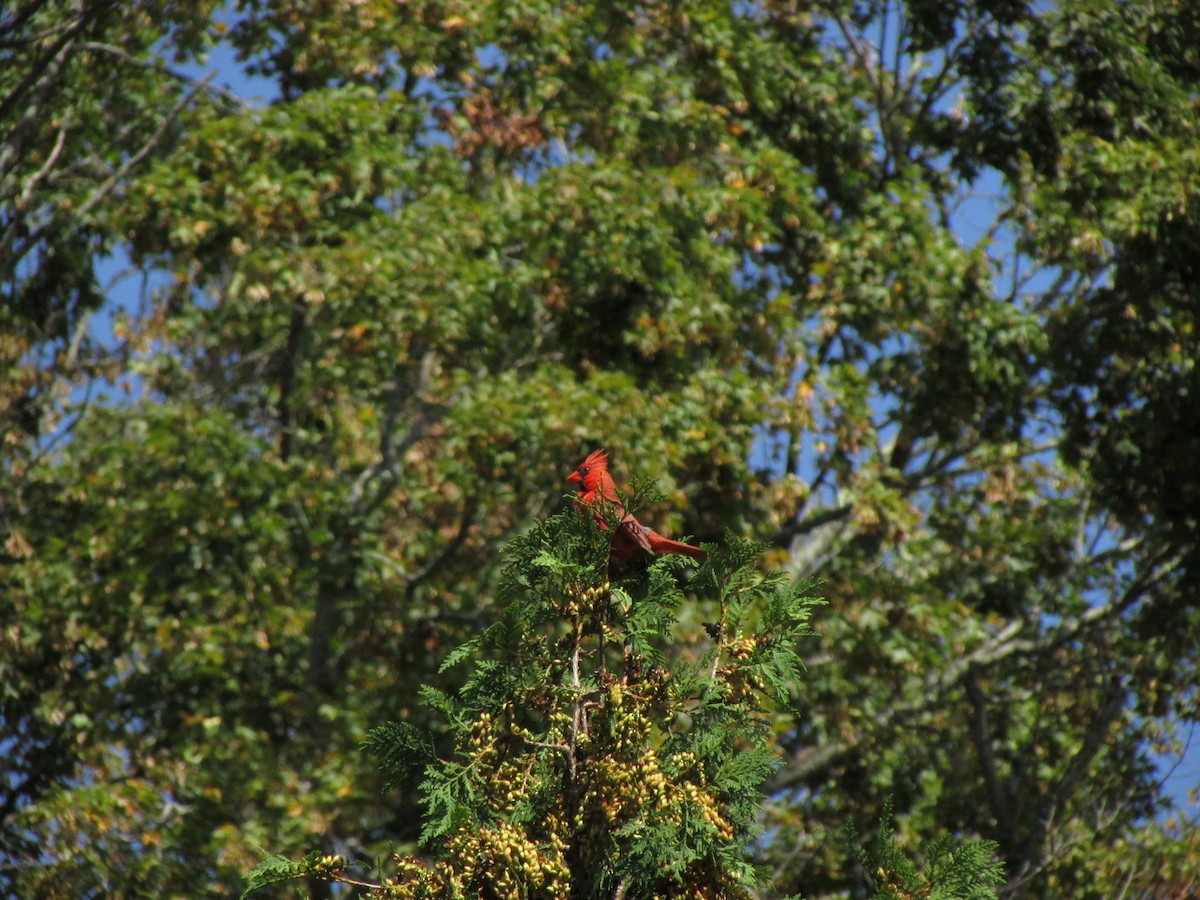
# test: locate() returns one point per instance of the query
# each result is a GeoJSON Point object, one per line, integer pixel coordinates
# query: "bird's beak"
{"type": "Point", "coordinates": [574, 476]}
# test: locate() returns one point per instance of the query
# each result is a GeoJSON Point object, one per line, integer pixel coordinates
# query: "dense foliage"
{"type": "Point", "coordinates": [587, 762]}
{"type": "Point", "coordinates": [903, 289]}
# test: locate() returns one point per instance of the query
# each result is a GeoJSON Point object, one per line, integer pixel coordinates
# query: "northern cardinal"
{"type": "Point", "coordinates": [631, 536]}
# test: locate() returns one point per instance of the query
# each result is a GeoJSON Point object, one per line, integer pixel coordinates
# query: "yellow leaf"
{"type": "Point", "coordinates": [17, 546]}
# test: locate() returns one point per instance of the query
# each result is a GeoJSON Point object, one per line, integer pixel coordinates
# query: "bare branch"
{"type": "Point", "coordinates": [981, 737]}
{"type": "Point", "coordinates": [1094, 739]}
{"type": "Point", "coordinates": [21, 206]}
{"type": "Point", "coordinates": [40, 175]}
{"type": "Point", "coordinates": [157, 65]}
{"type": "Point", "coordinates": [466, 520]}
{"type": "Point", "coordinates": [154, 140]}
{"type": "Point", "coordinates": [52, 227]}
{"type": "Point", "coordinates": [808, 524]}
{"type": "Point", "coordinates": [40, 81]}
{"type": "Point", "coordinates": [22, 16]}
{"type": "Point", "coordinates": [825, 530]}
{"type": "Point", "coordinates": [1003, 645]}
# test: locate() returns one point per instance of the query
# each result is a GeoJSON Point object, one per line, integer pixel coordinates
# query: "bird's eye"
{"type": "Point", "coordinates": [583, 470]}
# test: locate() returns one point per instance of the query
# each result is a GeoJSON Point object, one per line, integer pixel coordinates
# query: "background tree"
{"type": "Point", "coordinates": [743, 245]}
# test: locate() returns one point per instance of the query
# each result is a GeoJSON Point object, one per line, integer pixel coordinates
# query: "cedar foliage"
{"type": "Point", "coordinates": [587, 761]}
{"type": "Point", "coordinates": [583, 763]}
{"type": "Point", "coordinates": [951, 870]}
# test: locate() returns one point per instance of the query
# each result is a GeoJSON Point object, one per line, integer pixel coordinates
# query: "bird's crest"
{"type": "Point", "coordinates": [597, 459]}
{"type": "Point", "coordinates": [589, 471]}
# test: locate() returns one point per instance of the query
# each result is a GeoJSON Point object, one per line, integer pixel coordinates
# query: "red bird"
{"type": "Point", "coordinates": [631, 536]}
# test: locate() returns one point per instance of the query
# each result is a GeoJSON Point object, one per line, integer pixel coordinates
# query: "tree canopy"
{"type": "Point", "coordinates": [902, 289]}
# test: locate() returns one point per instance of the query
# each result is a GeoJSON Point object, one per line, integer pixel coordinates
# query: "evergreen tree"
{"type": "Point", "coordinates": [587, 761]}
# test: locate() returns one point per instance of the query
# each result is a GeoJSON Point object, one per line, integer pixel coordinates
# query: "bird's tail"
{"type": "Point", "coordinates": [662, 546]}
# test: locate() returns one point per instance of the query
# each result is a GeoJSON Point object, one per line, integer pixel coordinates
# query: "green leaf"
{"type": "Point", "coordinates": [272, 870]}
